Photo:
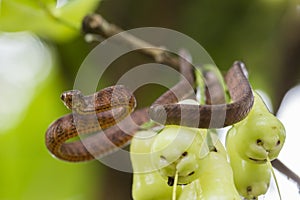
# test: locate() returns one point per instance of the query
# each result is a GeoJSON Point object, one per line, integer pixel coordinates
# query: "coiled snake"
{"type": "Point", "coordinates": [101, 116]}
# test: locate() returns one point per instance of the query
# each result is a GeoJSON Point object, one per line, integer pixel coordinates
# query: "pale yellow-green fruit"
{"type": "Point", "coordinates": [260, 135]}
{"type": "Point", "coordinates": [251, 179]}
{"type": "Point", "coordinates": [191, 191]}
{"type": "Point", "coordinates": [219, 147]}
{"type": "Point", "coordinates": [215, 181]}
{"type": "Point", "coordinates": [147, 184]}
{"type": "Point", "coordinates": [140, 151]}
{"type": "Point", "coordinates": [151, 186]}
{"type": "Point", "coordinates": [179, 149]}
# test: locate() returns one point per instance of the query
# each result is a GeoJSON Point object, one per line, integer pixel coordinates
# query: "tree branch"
{"type": "Point", "coordinates": [95, 24]}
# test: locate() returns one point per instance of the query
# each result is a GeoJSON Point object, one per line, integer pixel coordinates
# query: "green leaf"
{"type": "Point", "coordinates": [45, 17]}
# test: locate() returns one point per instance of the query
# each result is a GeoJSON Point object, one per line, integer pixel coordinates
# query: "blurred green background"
{"type": "Point", "coordinates": [262, 33]}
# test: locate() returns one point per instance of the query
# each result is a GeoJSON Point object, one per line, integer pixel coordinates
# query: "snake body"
{"type": "Point", "coordinates": [91, 114]}
{"type": "Point", "coordinates": [102, 115]}
{"type": "Point", "coordinates": [166, 110]}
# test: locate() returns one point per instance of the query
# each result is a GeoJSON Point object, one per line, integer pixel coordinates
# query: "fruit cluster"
{"type": "Point", "coordinates": [189, 163]}
{"type": "Point", "coordinates": [251, 145]}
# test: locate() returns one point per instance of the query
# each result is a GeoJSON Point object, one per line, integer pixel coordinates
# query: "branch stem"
{"type": "Point", "coordinates": [95, 24]}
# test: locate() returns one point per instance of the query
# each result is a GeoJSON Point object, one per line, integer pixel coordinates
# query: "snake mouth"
{"type": "Point", "coordinates": [258, 160]}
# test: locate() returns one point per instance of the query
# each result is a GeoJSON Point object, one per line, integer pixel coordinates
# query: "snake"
{"type": "Point", "coordinates": [167, 111]}
{"type": "Point", "coordinates": [94, 113]}
{"type": "Point", "coordinates": [95, 127]}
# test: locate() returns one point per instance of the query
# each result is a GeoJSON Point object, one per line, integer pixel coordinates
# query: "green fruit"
{"type": "Point", "coordinates": [215, 181]}
{"type": "Point", "coordinates": [179, 149]}
{"type": "Point", "coordinates": [140, 151]}
{"type": "Point", "coordinates": [190, 191]}
{"type": "Point", "coordinates": [251, 179]}
{"type": "Point", "coordinates": [147, 184]}
{"type": "Point", "coordinates": [151, 186]}
{"type": "Point", "coordinates": [259, 136]}
{"type": "Point", "coordinates": [218, 146]}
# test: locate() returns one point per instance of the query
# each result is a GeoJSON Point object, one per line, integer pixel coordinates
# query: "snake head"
{"type": "Point", "coordinates": [72, 99]}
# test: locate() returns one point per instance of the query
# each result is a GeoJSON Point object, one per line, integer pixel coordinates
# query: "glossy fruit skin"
{"type": "Point", "coordinates": [151, 186]}
{"type": "Point", "coordinates": [251, 179]}
{"type": "Point", "coordinates": [215, 181]}
{"type": "Point", "coordinates": [250, 143]}
{"type": "Point", "coordinates": [178, 149]}
{"type": "Point", "coordinates": [147, 184]}
{"type": "Point", "coordinates": [260, 135]}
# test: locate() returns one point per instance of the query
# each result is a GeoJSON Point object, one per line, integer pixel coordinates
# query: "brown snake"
{"type": "Point", "coordinates": [92, 114]}
{"type": "Point", "coordinates": [165, 109]}
{"type": "Point", "coordinates": [100, 116]}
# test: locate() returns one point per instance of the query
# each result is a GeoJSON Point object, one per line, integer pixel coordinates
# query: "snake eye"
{"type": "Point", "coordinates": [68, 96]}
{"type": "Point", "coordinates": [63, 96]}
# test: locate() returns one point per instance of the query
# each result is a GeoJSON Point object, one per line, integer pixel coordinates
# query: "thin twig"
{"type": "Point", "coordinates": [175, 186]}
{"type": "Point", "coordinates": [286, 171]}
{"type": "Point", "coordinates": [274, 177]}
{"type": "Point", "coordinates": [95, 24]}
